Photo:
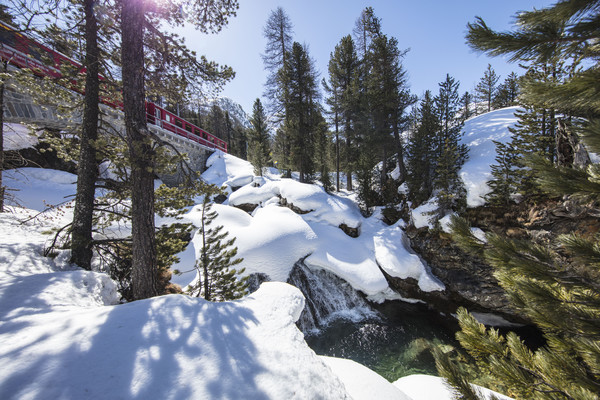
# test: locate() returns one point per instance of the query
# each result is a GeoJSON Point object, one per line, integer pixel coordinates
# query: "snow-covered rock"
{"type": "Point", "coordinates": [17, 136]}
{"type": "Point", "coordinates": [479, 133]}
{"type": "Point", "coordinates": [226, 170]}
{"type": "Point", "coordinates": [321, 206]}
{"type": "Point", "coordinates": [393, 254]}
{"type": "Point", "coordinates": [270, 242]}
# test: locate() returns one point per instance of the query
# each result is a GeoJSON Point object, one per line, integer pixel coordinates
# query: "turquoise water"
{"type": "Point", "coordinates": [395, 345]}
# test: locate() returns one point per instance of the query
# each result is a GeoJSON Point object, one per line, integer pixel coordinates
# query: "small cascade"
{"type": "Point", "coordinates": [328, 297]}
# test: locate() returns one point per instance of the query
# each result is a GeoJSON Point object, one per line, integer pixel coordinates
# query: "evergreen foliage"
{"type": "Point", "coordinates": [507, 92]}
{"type": "Point", "coordinates": [217, 280]}
{"type": "Point", "coordinates": [448, 153]}
{"type": "Point", "coordinates": [466, 100]}
{"type": "Point", "coordinates": [302, 112]}
{"type": "Point", "coordinates": [421, 160]}
{"type": "Point", "coordinates": [486, 88]}
{"type": "Point", "coordinates": [259, 150]}
{"type": "Point", "coordinates": [505, 175]}
{"type": "Point", "coordinates": [343, 102]}
{"type": "Point", "coordinates": [278, 31]}
{"type": "Point", "coordinates": [555, 285]}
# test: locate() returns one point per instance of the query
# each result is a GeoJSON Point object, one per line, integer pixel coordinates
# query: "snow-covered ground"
{"type": "Point", "coordinates": [64, 336]}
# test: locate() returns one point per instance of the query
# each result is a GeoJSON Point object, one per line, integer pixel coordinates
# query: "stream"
{"type": "Point", "coordinates": [393, 339]}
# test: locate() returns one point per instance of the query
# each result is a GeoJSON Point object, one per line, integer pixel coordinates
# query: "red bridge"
{"type": "Point", "coordinates": [24, 52]}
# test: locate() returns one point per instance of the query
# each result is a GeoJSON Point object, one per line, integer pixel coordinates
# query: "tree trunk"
{"type": "Point", "coordinates": [2, 189]}
{"type": "Point", "coordinates": [564, 149]}
{"type": "Point", "coordinates": [144, 267]}
{"type": "Point", "coordinates": [399, 152]}
{"type": "Point", "coordinates": [87, 169]}
{"type": "Point", "coordinates": [337, 153]}
{"type": "Point", "coordinates": [348, 159]}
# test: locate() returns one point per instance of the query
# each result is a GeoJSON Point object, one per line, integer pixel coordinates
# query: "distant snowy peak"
{"type": "Point", "coordinates": [234, 109]}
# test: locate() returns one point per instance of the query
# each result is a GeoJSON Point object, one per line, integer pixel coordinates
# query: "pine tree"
{"type": "Point", "coordinates": [366, 28]}
{"type": "Point", "coordinates": [217, 281]}
{"type": "Point", "coordinates": [385, 80]}
{"type": "Point", "coordinates": [448, 153]}
{"type": "Point", "coordinates": [555, 285]}
{"type": "Point", "coordinates": [300, 77]}
{"type": "Point", "coordinates": [486, 88]}
{"type": "Point", "coordinates": [278, 31]}
{"type": "Point", "coordinates": [533, 134]}
{"type": "Point", "coordinates": [87, 167]}
{"type": "Point", "coordinates": [507, 92]}
{"type": "Point", "coordinates": [343, 100]}
{"type": "Point", "coordinates": [466, 100]}
{"type": "Point", "coordinates": [505, 175]}
{"type": "Point", "coordinates": [207, 16]}
{"type": "Point", "coordinates": [421, 160]}
{"type": "Point", "coordinates": [322, 146]}
{"type": "Point", "coordinates": [258, 135]}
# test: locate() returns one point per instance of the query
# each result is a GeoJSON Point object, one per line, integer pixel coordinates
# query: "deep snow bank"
{"type": "Point", "coordinates": [169, 347]}
{"type": "Point", "coordinates": [479, 132]}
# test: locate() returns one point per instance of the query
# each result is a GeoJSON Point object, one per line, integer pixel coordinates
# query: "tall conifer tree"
{"type": "Point", "coordinates": [421, 158]}
{"type": "Point", "coordinates": [487, 87]}
{"type": "Point", "coordinates": [259, 149]}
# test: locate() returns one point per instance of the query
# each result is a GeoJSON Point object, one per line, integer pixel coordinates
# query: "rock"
{"type": "Point", "coordinates": [469, 281]}
{"type": "Point", "coordinates": [284, 203]}
{"type": "Point", "coordinates": [352, 232]}
{"type": "Point", "coordinates": [249, 208]}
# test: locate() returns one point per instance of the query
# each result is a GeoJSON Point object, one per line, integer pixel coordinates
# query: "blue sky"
{"type": "Point", "coordinates": [434, 32]}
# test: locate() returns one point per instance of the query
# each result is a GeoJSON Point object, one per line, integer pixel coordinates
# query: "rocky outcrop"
{"type": "Point", "coordinates": [469, 280]}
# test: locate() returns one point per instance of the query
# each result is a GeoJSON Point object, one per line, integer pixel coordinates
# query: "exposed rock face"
{"type": "Point", "coordinates": [249, 208]}
{"type": "Point", "coordinates": [469, 281]}
{"type": "Point", "coordinates": [352, 232]}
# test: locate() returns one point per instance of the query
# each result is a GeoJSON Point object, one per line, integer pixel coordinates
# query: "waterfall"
{"type": "Point", "coordinates": [328, 297]}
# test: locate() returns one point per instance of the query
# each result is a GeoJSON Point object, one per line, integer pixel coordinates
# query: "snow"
{"type": "Point", "coordinates": [361, 382]}
{"type": "Point", "coordinates": [479, 132]}
{"type": "Point", "coordinates": [170, 347]}
{"type": "Point", "coordinates": [421, 216]}
{"type": "Point", "coordinates": [426, 387]}
{"type": "Point", "coordinates": [274, 238]}
{"type": "Point", "coordinates": [227, 170]}
{"type": "Point", "coordinates": [321, 206]}
{"type": "Point", "coordinates": [37, 188]}
{"type": "Point", "coordinates": [269, 242]}
{"type": "Point", "coordinates": [393, 253]}
{"type": "Point", "coordinates": [18, 136]}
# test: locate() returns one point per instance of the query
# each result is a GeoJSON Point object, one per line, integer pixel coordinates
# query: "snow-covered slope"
{"type": "Point", "coordinates": [479, 132]}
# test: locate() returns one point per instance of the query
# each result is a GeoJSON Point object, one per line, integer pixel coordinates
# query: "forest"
{"type": "Point", "coordinates": [358, 138]}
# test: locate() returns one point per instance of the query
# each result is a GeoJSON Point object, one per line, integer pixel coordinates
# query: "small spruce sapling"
{"type": "Point", "coordinates": [217, 280]}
